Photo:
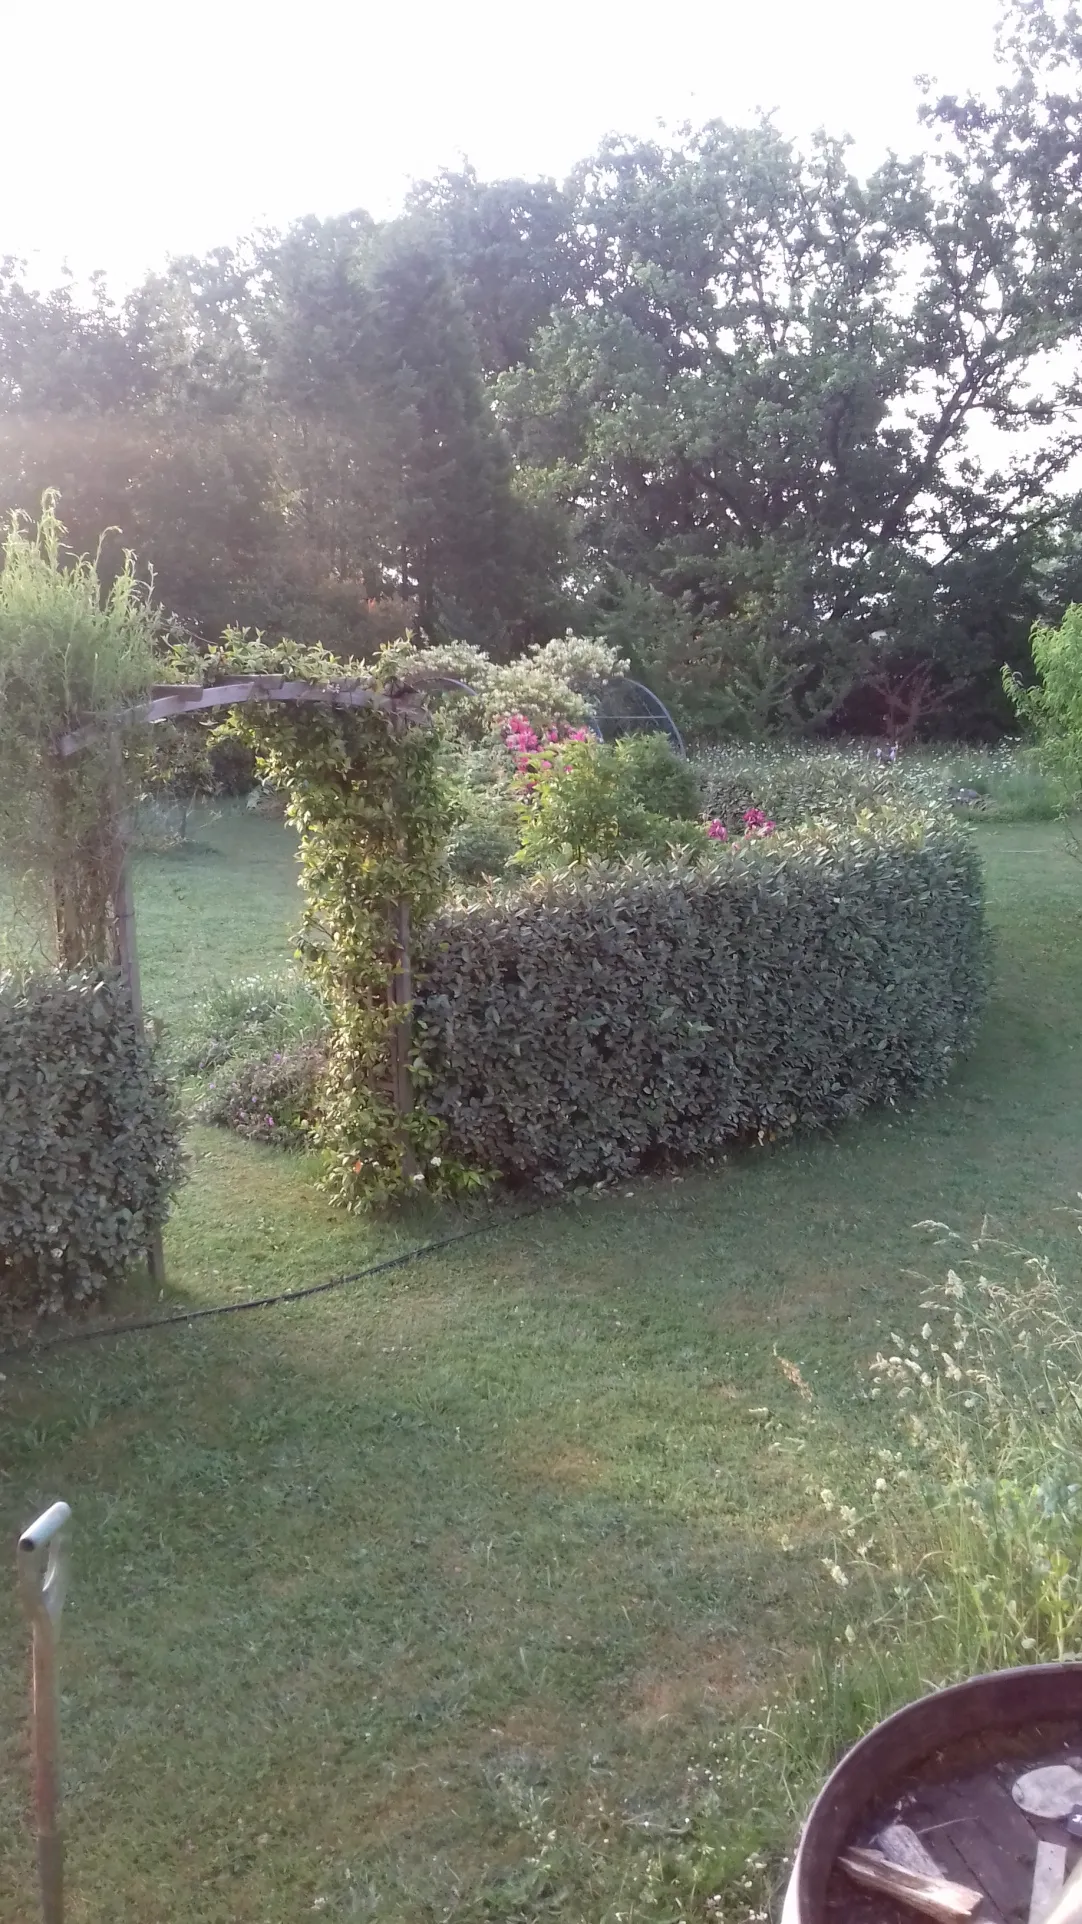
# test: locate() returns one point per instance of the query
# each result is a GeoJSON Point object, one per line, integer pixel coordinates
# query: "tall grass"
{"type": "Point", "coordinates": [961, 1554]}
{"type": "Point", "coordinates": [251, 1015]}
{"type": "Point", "coordinates": [975, 1522]}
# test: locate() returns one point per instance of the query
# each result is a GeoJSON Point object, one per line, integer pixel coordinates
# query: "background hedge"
{"type": "Point", "coordinates": [792, 785]}
{"type": "Point", "coordinates": [89, 1145]}
{"type": "Point", "coordinates": [588, 1021]}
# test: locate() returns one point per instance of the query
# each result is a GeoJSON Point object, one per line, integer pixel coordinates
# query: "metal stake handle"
{"type": "Point", "coordinates": [42, 1565]}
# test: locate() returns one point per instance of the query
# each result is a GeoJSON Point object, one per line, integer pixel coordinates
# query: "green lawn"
{"type": "Point", "coordinates": [432, 1598]}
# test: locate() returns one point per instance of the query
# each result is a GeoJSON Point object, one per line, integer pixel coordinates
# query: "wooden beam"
{"type": "Point", "coordinates": [128, 958]}
{"type": "Point", "coordinates": [400, 996]}
{"type": "Point", "coordinates": [934, 1897]}
{"type": "Point", "coordinates": [1048, 1874]}
{"type": "Point", "coordinates": [168, 702]}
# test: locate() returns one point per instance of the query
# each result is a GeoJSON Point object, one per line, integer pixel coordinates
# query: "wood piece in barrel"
{"type": "Point", "coordinates": [904, 1847]}
{"type": "Point", "coordinates": [1068, 1906]}
{"type": "Point", "coordinates": [995, 1841]}
{"type": "Point", "coordinates": [990, 1799]}
{"type": "Point", "coordinates": [933, 1897]}
{"type": "Point", "coordinates": [1048, 1875]}
{"type": "Point", "coordinates": [932, 1817]}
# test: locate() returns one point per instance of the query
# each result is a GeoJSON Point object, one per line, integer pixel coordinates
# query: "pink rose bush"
{"type": "Point", "coordinates": [755, 822]}
{"type": "Point", "coordinates": [756, 825]}
{"type": "Point", "coordinates": [528, 748]}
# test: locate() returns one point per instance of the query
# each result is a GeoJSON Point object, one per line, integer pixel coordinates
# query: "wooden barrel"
{"type": "Point", "coordinates": [1006, 1702]}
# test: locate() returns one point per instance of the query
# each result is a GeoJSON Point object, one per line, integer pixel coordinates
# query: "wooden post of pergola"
{"type": "Point", "coordinates": [172, 700]}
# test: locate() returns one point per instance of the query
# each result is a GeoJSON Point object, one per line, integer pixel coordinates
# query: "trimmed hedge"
{"type": "Point", "coordinates": [794, 785]}
{"type": "Point", "coordinates": [89, 1145]}
{"type": "Point", "coordinates": [590, 1021]}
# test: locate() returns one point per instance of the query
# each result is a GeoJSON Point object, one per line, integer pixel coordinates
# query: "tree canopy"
{"type": "Point", "coordinates": [800, 443]}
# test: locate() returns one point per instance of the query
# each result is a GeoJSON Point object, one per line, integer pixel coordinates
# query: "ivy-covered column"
{"type": "Point", "coordinates": [364, 791]}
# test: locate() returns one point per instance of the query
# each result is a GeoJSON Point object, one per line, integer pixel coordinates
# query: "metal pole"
{"type": "Point", "coordinates": [42, 1565]}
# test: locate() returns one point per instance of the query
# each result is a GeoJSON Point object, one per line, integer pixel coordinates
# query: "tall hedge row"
{"type": "Point", "coordinates": [587, 1022]}
{"type": "Point", "coordinates": [89, 1142]}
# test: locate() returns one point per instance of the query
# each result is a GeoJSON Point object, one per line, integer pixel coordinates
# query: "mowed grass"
{"type": "Point", "coordinates": [432, 1598]}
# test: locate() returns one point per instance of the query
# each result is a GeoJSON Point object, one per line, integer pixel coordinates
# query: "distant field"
{"type": "Point", "coordinates": [228, 904]}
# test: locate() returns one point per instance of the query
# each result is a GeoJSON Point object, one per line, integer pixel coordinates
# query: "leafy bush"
{"type": "Point", "coordinates": [89, 1146]}
{"type": "Point", "coordinates": [73, 649]}
{"type": "Point", "coordinates": [1054, 707]}
{"type": "Point", "coordinates": [588, 798]}
{"type": "Point", "coordinates": [252, 1015]}
{"type": "Point", "coordinates": [483, 841]}
{"type": "Point", "coordinates": [657, 777]}
{"type": "Point", "coordinates": [573, 1028]}
{"type": "Point", "coordinates": [554, 683]}
{"type": "Point", "coordinates": [268, 1098]}
{"type": "Point", "coordinates": [798, 784]}
{"type": "Point", "coordinates": [795, 785]}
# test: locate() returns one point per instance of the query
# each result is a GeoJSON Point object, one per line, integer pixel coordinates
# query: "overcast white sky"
{"type": "Point", "coordinates": [131, 130]}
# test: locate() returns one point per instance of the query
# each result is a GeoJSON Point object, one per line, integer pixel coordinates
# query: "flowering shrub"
{"type": "Point", "coordinates": [529, 749]}
{"type": "Point", "coordinates": [268, 1098]}
{"type": "Point", "coordinates": [552, 684]}
{"type": "Point", "coordinates": [580, 797]}
{"type": "Point", "coordinates": [588, 1020]}
{"type": "Point", "coordinates": [755, 822]}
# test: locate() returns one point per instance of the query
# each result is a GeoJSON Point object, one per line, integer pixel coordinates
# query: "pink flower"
{"type": "Point", "coordinates": [518, 734]}
{"type": "Point", "coordinates": [576, 735]}
{"type": "Point", "coordinates": [755, 823]}
{"type": "Point", "coordinates": [717, 831]}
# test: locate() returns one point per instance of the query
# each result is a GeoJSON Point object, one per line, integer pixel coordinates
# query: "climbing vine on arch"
{"type": "Point", "coordinates": [364, 791]}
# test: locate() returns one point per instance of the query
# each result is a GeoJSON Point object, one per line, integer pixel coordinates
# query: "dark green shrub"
{"type": "Point", "coordinates": [89, 1147]}
{"type": "Point", "coordinates": [659, 779]}
{"type": "Point", "coordinates": [268, 1098]}
{"type": "Point", "coordinates": [585, 1022]}
{"type": "Point", "coordinates": [482, 843]}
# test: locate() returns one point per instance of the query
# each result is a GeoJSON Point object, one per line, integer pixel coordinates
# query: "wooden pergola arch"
{"type": "Point", "coordinates": [170, 701]}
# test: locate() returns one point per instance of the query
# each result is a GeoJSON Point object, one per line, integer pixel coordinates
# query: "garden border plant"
{"type": "Point", "coordinates": [91, 1152]}
{"type": "Point", "coordinates": [597, 1018]}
